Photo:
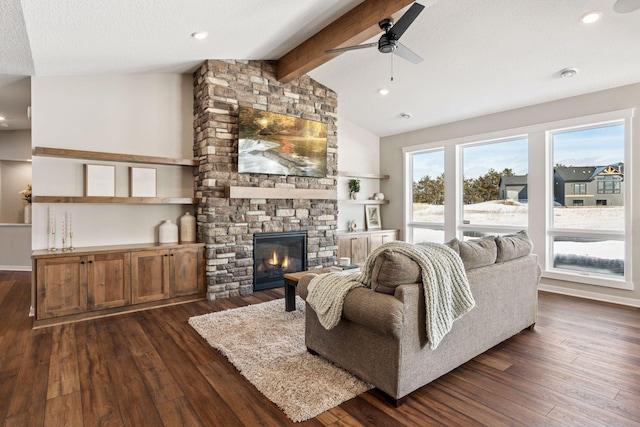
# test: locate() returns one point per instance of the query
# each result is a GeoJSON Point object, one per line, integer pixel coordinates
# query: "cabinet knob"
{"type": "Point", "coordinates": [90, 262]}
{"type": "Point", "coordinates": [166, 254]}
{"type": "Point", "coordinates": [82, 262]}
{"type": "Point", "coordinates": [172, 254]}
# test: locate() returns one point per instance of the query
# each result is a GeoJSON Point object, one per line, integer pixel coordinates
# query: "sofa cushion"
{"type": "Point", "coordinates": [512, 246]}
{"type": "Point", "coordinates": [392, 269]}
{"type": "Point", "coordinates": [475, 253]}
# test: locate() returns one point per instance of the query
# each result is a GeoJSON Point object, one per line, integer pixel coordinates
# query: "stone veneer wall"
{"type": "Point", "coordinates": [227, 225]}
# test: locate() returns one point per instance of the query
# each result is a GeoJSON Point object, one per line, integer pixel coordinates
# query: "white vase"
{"type": "Point", "coordinates": [168, 232]}
{"type": "Point", "coordinates": [27, 214]}
{"type": "Point", "coordinates": [354, 195]}
{"type": "Point", "coordinates": [187, 228]}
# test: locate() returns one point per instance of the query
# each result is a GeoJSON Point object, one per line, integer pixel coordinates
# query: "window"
{"type": "Point", "coordinates": [574, 200]}
{"type": "Point", "coordinates": [494, 186]}
{"type": "Point", "coordinates": [587, 235]}
{"type": "Point", "coordinates": [426, 222]}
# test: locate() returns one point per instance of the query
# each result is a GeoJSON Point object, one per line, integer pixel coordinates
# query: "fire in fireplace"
{"type": "Point", "coordinates": [276, 254]}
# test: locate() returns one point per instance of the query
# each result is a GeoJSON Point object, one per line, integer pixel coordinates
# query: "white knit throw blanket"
{"type": "Point", "coordinates": [447, 295]}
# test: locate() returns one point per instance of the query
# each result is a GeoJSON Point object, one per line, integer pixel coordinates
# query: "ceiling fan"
{"type": "Point", "coordinates": [388, 42]}
{"type": "Point", "coordinates": [626, 6]}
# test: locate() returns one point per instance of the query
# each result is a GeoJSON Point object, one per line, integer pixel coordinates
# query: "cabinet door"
{"type": "Point", "coordinates": [354, 246]}
{"type": "Point", "coordinates": [186, 268]}
{"type": "Point", "coordinates": [149, 275]}
{"type": "Point", "coordinates": [382, 237]}
{"type": "Point", "coordinates": [109, 280]}
{"type": "Point", "coordinates": [62, 286]}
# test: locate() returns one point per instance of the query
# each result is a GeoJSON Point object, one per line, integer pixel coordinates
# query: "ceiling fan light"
{"type": "Point", "coordinates": [591, 17]}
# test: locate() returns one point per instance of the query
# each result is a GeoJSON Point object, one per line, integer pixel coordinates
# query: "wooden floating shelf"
{"type": "Point", "coordinates": [114, 157]}
{"type": "Point", "coordinates": [363, 175]}
{"type": "Point", "coordinates": [122, 200]}
{"type": "Point", "coordinates": [364, 202]}
{"type": "Point", "coordinates": [235, 192]}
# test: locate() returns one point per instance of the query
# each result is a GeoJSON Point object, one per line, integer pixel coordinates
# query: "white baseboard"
{"type": "Point", "coordinates": [15, 268]}
{"type": "Point", "coordinates": [590, 295]}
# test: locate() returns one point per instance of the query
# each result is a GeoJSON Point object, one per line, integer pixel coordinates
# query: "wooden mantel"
{"type": "Point", "coordinates": [235, 192]}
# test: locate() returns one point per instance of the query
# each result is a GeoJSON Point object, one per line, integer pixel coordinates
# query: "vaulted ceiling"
{"type": "Point", "coordinates": [480, 56]}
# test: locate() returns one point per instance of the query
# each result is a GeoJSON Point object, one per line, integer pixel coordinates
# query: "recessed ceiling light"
{"type": "Point", "coordinates": [199, 35]}
{"type": "Point", "coordinates": [2, 118]}
{"type": "Point", "coordinates": [405, 115]}
{"type": "Point", "coordinates": [591, 17]}
{"type": "Point", "coordinates": [568, 73]}
{"type": "Point", "coordinates": [383, 91]}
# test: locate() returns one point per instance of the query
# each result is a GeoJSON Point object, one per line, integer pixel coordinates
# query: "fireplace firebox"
{"type": "Point", "coordinates": [276, 254]}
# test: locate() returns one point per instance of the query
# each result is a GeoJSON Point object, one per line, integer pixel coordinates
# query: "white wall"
{"type": "Point", "coordinates": [15, 174]}
{"type": "Point", "coordinates": [134, 114]}
{"type": "Point", "coordinates": [358, 151]}
{"type": "Point", "coordinates": [594, 103]}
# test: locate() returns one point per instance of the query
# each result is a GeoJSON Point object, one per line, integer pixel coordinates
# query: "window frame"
{"type": "Point", "coordinates": [540, 190]}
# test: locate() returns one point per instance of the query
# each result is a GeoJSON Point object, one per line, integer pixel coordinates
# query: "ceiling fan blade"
{"type": "Point", "coordinates": [405, 20]}
{"type": "Point", "coordinates": [344, 49]}
{"type": "Point", "coordinates": [626, 6]}
{"type": "Point", "coordinates": [404, 52]}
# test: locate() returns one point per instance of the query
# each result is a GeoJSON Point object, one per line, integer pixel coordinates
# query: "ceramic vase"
{"type": "Point", "coordinates": [27, 214]}
{"type": "Point", "coordinates": [187, 228]}
{"type": "Point", "coordinates": [354, 195]}
{"type": "Point", "coordinates": [168, 232]}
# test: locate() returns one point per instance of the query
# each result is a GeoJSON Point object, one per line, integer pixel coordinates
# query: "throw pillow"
{"type": "Point", "coordinates": [391, 270]}
{"type": "Point", "coordinates": [512, 246]}
{"type": "Point", "coordinates": [475, 253]}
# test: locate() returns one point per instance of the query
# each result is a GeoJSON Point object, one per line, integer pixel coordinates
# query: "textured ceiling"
{"type": "Point", "coordinates": [480, 56]}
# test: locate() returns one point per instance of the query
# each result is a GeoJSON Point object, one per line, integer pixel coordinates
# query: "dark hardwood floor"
{"type": "Point", "coordinates": [579, 366]}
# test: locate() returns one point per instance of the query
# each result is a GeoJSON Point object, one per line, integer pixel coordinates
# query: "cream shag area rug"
{"type": "Point", "coordinates": [266, 344]}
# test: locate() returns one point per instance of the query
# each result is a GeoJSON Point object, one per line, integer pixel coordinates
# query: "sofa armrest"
{"type": "Point", "coordinates": [381, 312]}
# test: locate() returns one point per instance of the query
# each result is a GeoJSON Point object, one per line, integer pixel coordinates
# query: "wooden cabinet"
{"type": "Point", "coordinates": [61, 284]}
{"type": "Point", "coordinates": [185, 267]}
{"type": "Point", "coordinates": [92, 282]}
{"type": "Point", "coordinates": [354, 246]}
{"type": "Point", "coordinates": [150, 275]}
{"type": "Point", "coordinates": [379, 238]}
{"type": "Point", "coordinates": [108, 280]}
{"type": "Point", "coordinates": [358, 245]}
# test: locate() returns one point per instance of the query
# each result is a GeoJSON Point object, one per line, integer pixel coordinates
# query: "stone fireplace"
{"type": "Point", "coordinates": [227, 222]}
{"type": "Point", "coordinates": [276, 254]}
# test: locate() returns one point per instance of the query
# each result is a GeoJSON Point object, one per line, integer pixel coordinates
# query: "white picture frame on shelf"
{"type": "Point", "coordinates": [372, 217]}
{"type": "Point", "coordinates": [143, 182]}
{"type": "Point", "coordinates": [99, 180]}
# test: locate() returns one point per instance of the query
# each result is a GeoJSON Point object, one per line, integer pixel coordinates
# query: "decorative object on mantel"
{"type": "Point", "coordinates": [266, 345]}
{"type": "Point", "coordinates": [168, 232]}
{"type": "Point", "coordinates": [352, 225]}
{"type": "Point", "coordinates": [378, 196]}
{"type": "Point", "coordinates": [354, 188]}
{"type": "Point", "coordinates": [26, 195]}
{"type": "Point", "coordinates": [187, 228]}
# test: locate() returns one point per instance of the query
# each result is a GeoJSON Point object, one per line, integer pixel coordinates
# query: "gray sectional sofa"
{"type": "Point", "coordinates": [381, 336]}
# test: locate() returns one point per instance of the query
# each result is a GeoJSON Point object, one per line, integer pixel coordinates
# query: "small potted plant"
{"type": "Point", "coordinates": [354, 188]}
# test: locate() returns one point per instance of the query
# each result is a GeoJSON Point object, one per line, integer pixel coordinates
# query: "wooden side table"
{"type": "Point", "coordinates": [290, 283]}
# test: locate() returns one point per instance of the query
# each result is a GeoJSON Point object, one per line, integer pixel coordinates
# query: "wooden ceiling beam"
{"type": "Point", "coordinates": [354, 27]}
